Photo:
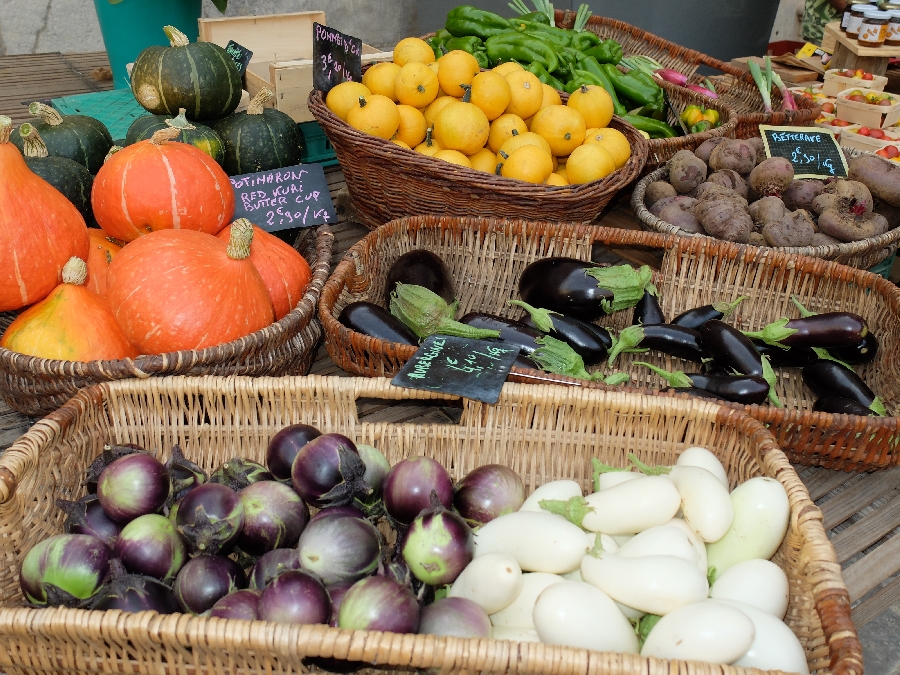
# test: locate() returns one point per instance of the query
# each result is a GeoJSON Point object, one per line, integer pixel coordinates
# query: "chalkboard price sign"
{"type": "Point", "coordinates": [240, 55]}
{"type": "Point", "coordinates": [812, 151]}
{"type": "Point", "coordinates": [475, 369]}
{"type": "Point", "coordinates": [336, 58]}
{"type": "Point", "coordinates": [295, 196]}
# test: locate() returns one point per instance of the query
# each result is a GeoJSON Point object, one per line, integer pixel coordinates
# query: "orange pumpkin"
{"type": "Point", "coordinates": [283, 270]}
{"type": "Point", "coordinates": [159, 184]}
{"type": "Point", "coordinates": [39, 230]}
{"type": "Point", "coordinates": [179, 289]}
{"type": "Point", "coordinates": [71, 324]}
{"type": "Point", "coordinates": [99, 259]}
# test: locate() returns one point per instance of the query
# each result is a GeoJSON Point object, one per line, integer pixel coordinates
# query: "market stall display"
{"type": "Point", "coordinates": [817, 610]}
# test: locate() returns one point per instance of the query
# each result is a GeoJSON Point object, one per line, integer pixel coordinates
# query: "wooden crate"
{"type": "Point", "coordinates": [282, 47]}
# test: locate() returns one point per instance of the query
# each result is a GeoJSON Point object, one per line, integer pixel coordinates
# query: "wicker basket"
{"type": "Point", "coordinates": [862, 254]}
{"type": "Point", "coordinates": [486, 258]}
{"type": "Point", "coordinates": [34, 386]}
{"type": "Point", "coordinates": [543, 433]}
{"type": "Point", "coordinates": [387, 181]}
{"type": "Point", "coordinates": [735, 86]}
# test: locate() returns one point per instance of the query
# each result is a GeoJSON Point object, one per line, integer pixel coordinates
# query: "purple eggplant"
{"type": "Point", "coordinates": [243, 604]}
{"type": "Point", "coordinates": [328, 471]}
{"type": "Point", "coordinates": [647, 312]}
{"type": "Point", "coordinates": [511, 331]}
{"type": "Point", "coordinates": [829, 378]}
{"type": "Point", "coordinates": [274, 517]}
{"type": "Point", "coordinates": [738, 388]}
{"type": "Point", "coordinates": [421, 268]}
{"type": "Point", "coordinates": [730, 348]}
{"type": "Point", "coordinates": [284, 446]}
{"type": "Point", "coordinates": [237, 473]}
{"type": "Point", "coordinates": [408, 486]}
{"type": "Point", "coordinates": [134, 593]}
{"type": "Point", "coordinates": [340, 549]}
{"type": "Point", "coordinates": [370, 319]}
{"type": "Point", "coordinates": [184, 474]}
{"type": "Point", "coordinates": [295, 597]}
{"type": "Point", "coordinates": [488, 492]}
{"type": "Point", "coordinates": [795, 357]}
{"type": "Point", "coordinates": [696, 317]}
{"type": "Point", "coordinates": [827, 331]}
{"type": "Point", "coordinates": [271, 565]}
{"type": "Point", "coordinates": [204, 580]}
{"type": "Point", "coordinates": [693, 391]}
{"type": "Point", "coordinates": [345, 510]}
{"type": "Point", "coordinates": [862, 352]}
{"type": "Point", "coordinates": [110, 454]}
{"type": "Point", "coordinates": [842, 406]}
{"type": "Point", "coordinates": [455, 617]}
{"type": "Point", "coordinates": [438, 546]}
{"type": "Point", "coordinates": [382, 604]}
{"type": "Point", "coordinates": [132, 486]}
{"type": "Point", "coordinates": [589, 341]}
{"type": "Point", "coordinates": [684, 343]}
{"type": "Point", "coordinates": [67, 569]}
{"type": "Point", "coordinates": [210, 518]}
{"type": "Point", "coordinates": [337, 592]}
{"type": "Point", "coordinates": [86, 516]}
{"type": "Point", "coordinates": [151, 546]}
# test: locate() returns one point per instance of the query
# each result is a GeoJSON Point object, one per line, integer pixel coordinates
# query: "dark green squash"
{"type": "Point", "coordinates": [199, 77]}
{"type": "Point", "coordinates": [200, 136]}
{"type": "Point", "coordinates": [259, 139]}
{"type": "Point", "coordinates": [78, 137]}
{"type": "Point", "coordinates": [68, 176]}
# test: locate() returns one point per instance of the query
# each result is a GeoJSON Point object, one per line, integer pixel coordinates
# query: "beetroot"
{"type": "Point", "coordinates": [759, 147]}
{"type": "Point", "coordinates": [841, 192]}
{"type": "Point", "coordinates": [724, 219]}
{"type": "Point", "coordinates": [707, 191]}
{"type": "Point", "coordinates": [706, 147]}
{"type": "Point", "coordinates": [680, 214]}
{"type": "Point", "coordinates": [657, 208]}
{"type": "Point", "coordinates": [766, 210]}
{"type": "Point", "coordinates": [737, 155]}
{"type": "Point", "coordinates": [686, 171]}
{"type": "Point", "coordinates": [730, 179]}
{"type": "Point", "coordinates": [658, 190]}
{"type": "Point", "coordinates": [850, 222]}
{"type": "Point", "coordinates": [882, 177]}
{"type": "Point", "coordinates": [794, 229]}
{"type": "Point", "coordinates": [772, 177]}
{"type": "Point", "coordinates": [800, 193]}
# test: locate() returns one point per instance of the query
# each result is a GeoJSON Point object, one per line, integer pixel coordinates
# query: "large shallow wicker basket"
{"type": "Point", "coordinates": [486, 258]}
{"type": "Point", "coordinates": [542, 432]}
{"type": "Point", "coordinates": [735, 87]}
{"type": "Point", "coordinates": [35, 386]}
{"type": "Point", "coordinates": [862, 254]}
{"type": "Point", "coordinates": [387, 181]}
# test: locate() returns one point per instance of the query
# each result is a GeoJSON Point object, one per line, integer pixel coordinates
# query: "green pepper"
{"type": "Point", "coordinates": [585, 40]}
{"type": "Point", "coordinates": [536, 69]}
{"type": "Point", "coordinates": [471, 45]}
{"type": "Point", "coordinates": [654, 128]}
{"type": "Point", "coordinates": [589, 64]}
{"type": "Point", "coordinates": [522, 48]}
{"type": "Point", "coordinates": [608, 51]}
{"type": "Point", "coordinates": [701, 126]}
{"type": "Point", "coordinates": [468, 20]}
{"type": "Point", "coordinates": [573, 84]}
{"type": "Point", "coordinates": [436, 46]}
{"type": "Point", "coordinates": [631, 87]}
{"type": "Point", "coordinates": [539, 17]}
{"type": "Point", "coordinates": [558, 37]}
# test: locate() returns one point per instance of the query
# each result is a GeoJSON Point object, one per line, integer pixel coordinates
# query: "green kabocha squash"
{"type": "Point", "coordinates": [200, 136]}
{"type": "Point", "coordinates": [259, 139]}
{"type": "Point", "coordinates": [66, 175]}
{"type": "Point", "coordinates": [199, 77]}
{"type": "Point", "coordinates": [77, 137]}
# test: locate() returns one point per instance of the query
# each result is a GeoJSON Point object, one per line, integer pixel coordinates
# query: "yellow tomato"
{"type": "Point", "coordinates": [614, 141]}
{"type": "Point", "coordinates": [380, 79]}
{"type": "Point", "coordinates": [345, 96]}
{"type": "Point", "coordinates": [503, 128]}
{"type": "Point", "coordinates": [457, 69]}
{"type": "Point", "coordinates": [491, 93]}
{"type": "Point", "coordinates": [462, 126]}
{"type": "Point", "coordinates": [526, 93]}
{"type": "Point", "coordinates": [594, 103]}
{"type": "Point", "coordinates": [563, 128]}
{"type": "Point", "coordinates": [416, 85]}
{"type": "Point", "coordinates": [412, 126]}
{"type": "Point", "coordinates": [528, 163]}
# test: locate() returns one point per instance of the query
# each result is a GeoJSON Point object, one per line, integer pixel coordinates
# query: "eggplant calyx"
{"type": "Point", "coordinates": [769, 376]}
{"type": "Point", "coordinates": [773, 333]}
{"type": "Point", "coordinates": [726, 308]}
{"type": "Point", "coordinates": [183, 472]}
{"type": "Point", "coordinates": [541, 317]}
{"type": "Point", "coordinates": [556, 356]}
{"type": "Point", "coordinates": [600, 468]}
{"type": "Point", "coordinates": [615, 379]}
{"type": "Point", "coordinates": [206, 535]}
{"type": "Point", "coordinates": [574, 509]}
{"type": "Point", "coordinates": [823, 354]}
{"type": "Point", "coordinates": [803, 311]}
{"type": "Point", "coordinates": [877, 407]}
{"type": "Point", "coordinates": [646, 469]}
{"type": "Point", "coordinates": [711, 574]}
{"type": "Point", "coordinates": [675, 379]}
{"type": "Point", "coordinates": [352, 469]}
{"type": "Point", "coordinates": [626, 283]}
{"type": "Point", "coordinates": [597, 549]}
{"type": "Point", "coordinates": [627, 341]}
{"type": "Point", "coordinates": [426, 313]}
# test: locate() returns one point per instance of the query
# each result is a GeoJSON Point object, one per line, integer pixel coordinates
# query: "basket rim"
{"type": "Point", "coordinates": [147, 365]}
{"type": "Point", "coordinates": [461, 176]}
{"type": "Point", "coordinates": [826, 252]}
{"type": "Point", "coordinates": [336, 334]}
{"type": "Point", "coordinates": [827, 588]}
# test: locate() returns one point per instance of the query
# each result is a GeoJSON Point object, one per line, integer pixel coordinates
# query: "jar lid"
{"type": "Point", "coordinates": [895, 14]}
{"type": "Point", "coordinates": [860, 8]}
{"type": "Point", "coordinates": [875, 14]}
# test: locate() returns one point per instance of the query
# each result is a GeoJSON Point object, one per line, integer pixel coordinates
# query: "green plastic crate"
{"type": "Point", "coordinates": [316, 146]}
{"type": "Point", "coordinates": [883, 269]}
{"type": "Point", "coordinates": [117, 109]}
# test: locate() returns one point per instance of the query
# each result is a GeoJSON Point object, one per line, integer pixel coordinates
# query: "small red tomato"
{"type": "Point", "coordinates": [877, 134]}
{"type": "Point", "coordinates": [885, 102]}
{"type": "Point", "coordinates": [828, 107]}
{"type": "Point", "coordinates": [868, 76]}
{"type": "Point", "coordinates": [892, 151]}
{"type": "Point", "coordinates": [883, 153]}
{"type": "Point", "coordinates": [863, 131]}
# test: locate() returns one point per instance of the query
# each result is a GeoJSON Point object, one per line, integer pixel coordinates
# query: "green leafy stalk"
{"type": "Point", "coordinates": [601, 468]}
{"type": "Point", "coordinates": [545, 7]}
{"type": "Point", "coordinates": [556, 356]}
{"type": "Point", "coordinates": [675, 379]}
{"type": "Point", "coordinates": [574, 510]}
{"type": "Point", "coordinates": [769, 376]}
{"type": "Point", "coordinates": [711, 574]}
{"type": "Point", "coordinates": [626, 283]}
{"type": "Point", "coordinates": [878, 408]}
{"type": "Point", "coordinates": [803, 311]}
{"type": "Point", "coordinates": [540, 317]}
{"type": "Point", "coordinates": [765, 89]}
{"type": "Point", "coordinates": [774, 333]}
{"type": "Point", "coordinates": [626, 342]}
{"type": "Point", "coordinates": [426, 313]}
{"type": "Point", "coordinates": [615, 379]}
{"type": "Point", "coordinates": [646, 624]}
{"type": "Point", "coordinates": [823, 354]}
{"type": "Point", "coordinates": [787, 98]}
{"type": "Point", "coordinates": [597, 548]}
{"type": "Point", "coordinates": [581, 18]}
{"type": "Point", "coordinates": [709, 85]}
{"type": "Point", "coordinates": [646, 469]}
{"type": "Point", "coordinates": [519, 6]}
{"type": "Point", "coordinates": [728, 307]}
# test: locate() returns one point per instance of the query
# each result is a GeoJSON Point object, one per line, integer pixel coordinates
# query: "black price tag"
{"type": "Point", "coordinates": [240, 55]}
{"type": "Point", "coordinates": [812, 151]}
{"type": "Point", "coordinates": [474, 369]}
{"type": "Point", "coordinates": [296, 196]}
{"type": "Point", "coordinates": [336, 58]}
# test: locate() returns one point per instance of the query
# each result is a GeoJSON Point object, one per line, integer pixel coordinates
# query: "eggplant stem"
{"type": "Point", "coordinates": [646, 469]}
{"type": "Point", "coordinates": [541, 317]}
{"type": "Point", "coordinates": [574, 509]}
{"type": "Point", "coordinates": [877, 407]}
{"type": "Point", "coordinates": [597, 548]}
{"type": "Point", "coordinates": [726, 308]}
{"type": "Point", "coordinates": [803, 311]}
{"type": "Point", "coordinates": [601, 468]}
{"type": "Point", "coordinates": [770, 377]}
{"type": "Point", "coordinates": [674, 379]}
{"type": "Point", "coordinates": [823, 354]}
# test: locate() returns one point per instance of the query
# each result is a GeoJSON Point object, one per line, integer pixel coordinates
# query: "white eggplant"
{"type": "Point", "coordinates": [577, 614]}
{"type": "Point", "coordinates": [613, 478]}
{"type": "Point", "coordinates": [659, 540]}
{"type": "Point", "coordinates": [705, 502]}
{"type": "Point", "coordinates": [539, 542]}
{"type": "Point", "coordinates": [557, 489]}
{"type": "Point", "coordinates": [492, 581]}
{"type": "Point", "coordinates": [696, 542]}
{"type": "Point", "coordinates": [697, 456]}
{"type": "Point", "coordinates": [519, 613]}
{"type": "Point", "coordinates": [756, 582]}
{"type": "Point", "coordinates": [761, 517]}
{"type": "Point", "coordinates": [775, 646]}
{"type": "Point", "coordinates": [656, 584]}
{"type": "Point", "coordinates": [705, 631]}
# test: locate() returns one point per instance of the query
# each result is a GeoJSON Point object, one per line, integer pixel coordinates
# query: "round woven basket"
{"type": "Point", "coordinates": [34, 386]}
{"type": "Point", "coordinates": [862, 254]}
{"type": "Point", "coordinates": [388, 182]}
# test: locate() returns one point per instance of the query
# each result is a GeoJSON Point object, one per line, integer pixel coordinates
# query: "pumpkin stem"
{"type": "Point", "coordinates": [362, 102]}
{"type": "Point", "coordinates": [75, 271]}
{"type": "Point", "coordinates": [584, 89]}
{"type": "Point", "coordinates": [241, 238]}
{"type": "Point", "coordinates": [46, 113]}
{"type": "Point", "coordinates": [113, 150]}
{"type": "Point", "coordinates": [5, 129]}
{"type": "Point", "coordinates": [176, 37]}
{"type": "Point", "coordinates": [467, 97]}
{"type": "Point", "coordinates": [180, 122]}
{"type": "Point", "coordinates": [515, 132]}
{"type": "Point", "coordinates": [428, 142]}
{"type": "Point", "coordinates": [257, 103]}
{"type": "Point", "coordinates": [167, 134]}
{"type": "Point", "coordinates": [34, 145]}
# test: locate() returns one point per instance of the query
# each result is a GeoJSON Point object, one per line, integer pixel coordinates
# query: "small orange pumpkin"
{"type": "Point", "coordinates": [102, 251]}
